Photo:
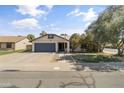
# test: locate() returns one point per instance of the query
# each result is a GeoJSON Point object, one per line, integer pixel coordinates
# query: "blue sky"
{"type": "Point", "coordinates": [69, 19]}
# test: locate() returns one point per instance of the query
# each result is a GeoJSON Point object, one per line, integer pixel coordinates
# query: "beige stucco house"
{"type": "Point", "coordinates": [50, 43]}
{"type": "Point", "coordinates": [13, 42]}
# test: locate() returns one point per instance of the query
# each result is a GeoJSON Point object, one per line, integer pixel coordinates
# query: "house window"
{"type": "Point", "coordinates": [50, 36]}
{"type": "Point", "coordinates": [8, 45]}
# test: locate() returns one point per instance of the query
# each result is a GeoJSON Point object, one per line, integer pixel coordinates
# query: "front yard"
{"type": "Point", "coordinates": [98, 62]}
{"type": "Point", "coordinates": [95, 58]}
{"type": "Point", "coordinates": [6, 52]}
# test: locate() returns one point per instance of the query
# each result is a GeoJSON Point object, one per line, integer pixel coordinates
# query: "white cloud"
{"type": "Point", "coordinates": [88, 16]}
{"type": "Point", "coordinates": [34, 10]}
{"type": "Point", "coordinates": [86, 26]}
{"type": "Point", "coordinates": [49, 6]}
{"type": "Point", "coordinates": [30, 10]}
{"type": "Point", "coordinates": [73, 12]}
{"type": "Point", "coordinates": [30, 23]}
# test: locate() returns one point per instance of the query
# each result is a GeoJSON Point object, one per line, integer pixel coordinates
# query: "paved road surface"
{"type": "Point", "coordinates": [61, 79]}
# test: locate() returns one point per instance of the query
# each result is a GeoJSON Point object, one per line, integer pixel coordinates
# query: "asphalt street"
{"type": "Point", "coordinates": [61, 79]}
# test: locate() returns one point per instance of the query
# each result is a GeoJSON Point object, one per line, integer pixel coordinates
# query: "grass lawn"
{"type": "Point", "coordinates": [9, 52]}
{"type": "Point", "coordinates": [95, 57]}
{"type": "Point", "coordinates": [6, 52]}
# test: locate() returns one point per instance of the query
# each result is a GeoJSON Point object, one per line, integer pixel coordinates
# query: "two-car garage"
{"type": "Point", "coordinates": [44, 47]}
{"type": "Point", "coordinates": [50, 43]}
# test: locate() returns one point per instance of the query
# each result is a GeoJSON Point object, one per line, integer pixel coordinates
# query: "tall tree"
{"type": "Point", "coordinates": [82, 38]}
{"type": "Point", "coordinates": [109, 26]}
{"type": "Point", "coordinates": [30, 37]}
{"type": "Point", "coordinates": [43, 33]}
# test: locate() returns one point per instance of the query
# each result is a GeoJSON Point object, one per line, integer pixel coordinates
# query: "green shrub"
{"type": "Point", "coordinates": [91, 47]}
{"type": "Point", "coordinates": [96, 58]}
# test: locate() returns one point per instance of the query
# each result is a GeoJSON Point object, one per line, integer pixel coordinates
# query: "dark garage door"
{"type": "Point", "coordinates": [44, 47]}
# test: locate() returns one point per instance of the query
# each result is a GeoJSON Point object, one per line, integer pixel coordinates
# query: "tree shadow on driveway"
{"type": "Point", "coordinates": [88, 66]}
{"type": "Point", "coordinates": [87, 81]}
{"type": "Point", "coordinates": [38, 85]}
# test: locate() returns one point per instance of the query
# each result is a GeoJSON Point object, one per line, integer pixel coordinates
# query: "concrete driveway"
{"type": "Point", "coordinates": [34, 62]}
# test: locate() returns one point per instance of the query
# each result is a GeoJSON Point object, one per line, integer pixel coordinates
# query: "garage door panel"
{"type": "Point", "coordinates": [44, 47]}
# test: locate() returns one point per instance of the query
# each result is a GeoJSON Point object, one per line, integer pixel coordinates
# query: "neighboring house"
{"type": "Point", "coordinates": [13, 42]}
{"type": "Point", "coordinates": [50, 43]}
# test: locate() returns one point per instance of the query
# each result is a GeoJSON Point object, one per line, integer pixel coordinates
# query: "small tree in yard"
{"type": "Point", "coordinates": [75, 41]}
{"type": "Point", "coordinates": [85, 41]}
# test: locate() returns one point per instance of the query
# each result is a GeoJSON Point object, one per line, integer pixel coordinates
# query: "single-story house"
{"type": "Point", "coordinates": [13, 42]}
{"type": "Point", "coordinates": [50, 43]}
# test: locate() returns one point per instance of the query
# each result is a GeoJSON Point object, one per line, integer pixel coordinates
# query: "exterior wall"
{"type": "Point", "coordinates": [68, 47]}
{"type": "Point", "coordinates": [32, 47]}
{"type": "Point", "coordinates": [56, 47]}
{"type": "Point", "coordinates": [55, 40]}
{"type": "Point", "coordinates": [3, 46]}
{"type": "Point", "coordinates": [22, 44]}
{"type": "Point", "coordinates": [29, 47]}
